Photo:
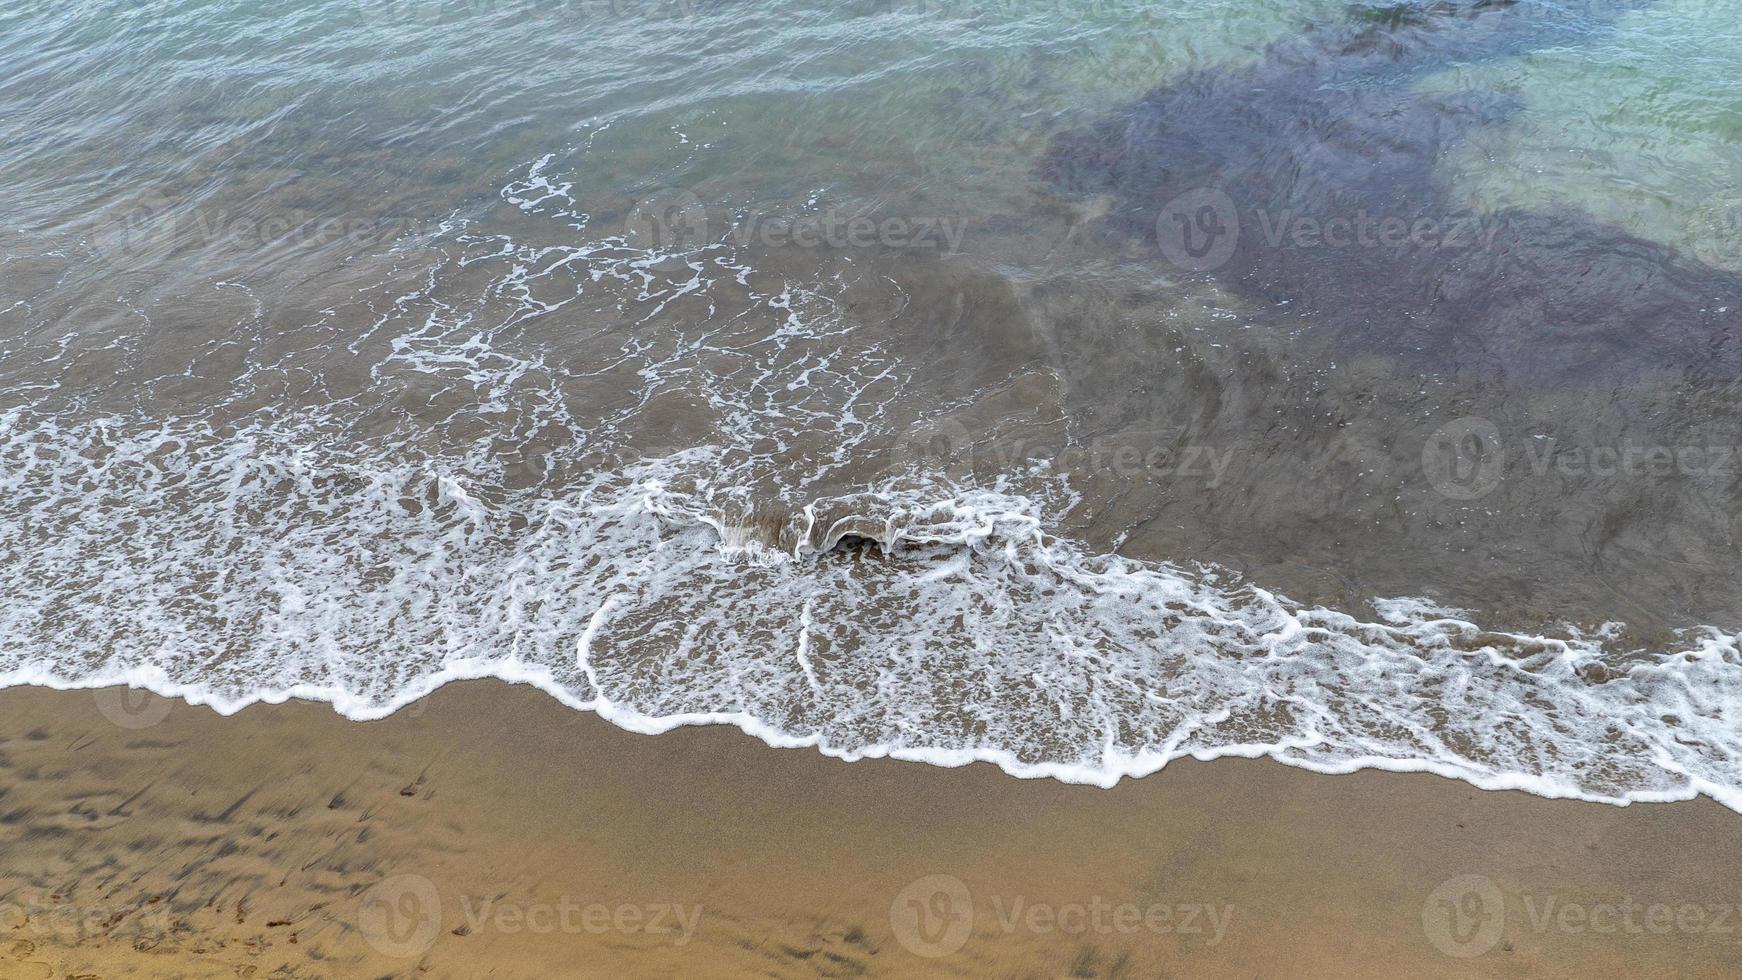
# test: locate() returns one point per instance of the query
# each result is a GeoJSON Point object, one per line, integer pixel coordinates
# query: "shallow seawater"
{"type": "Point", "coordinates": [1072, 385]}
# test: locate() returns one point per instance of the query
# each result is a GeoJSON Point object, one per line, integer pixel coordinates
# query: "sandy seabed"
{"type": "Point", "coordinates": [488, 831]}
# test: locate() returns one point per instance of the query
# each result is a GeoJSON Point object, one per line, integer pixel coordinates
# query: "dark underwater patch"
{"type": "Point", "coordinates": [1308, 181]}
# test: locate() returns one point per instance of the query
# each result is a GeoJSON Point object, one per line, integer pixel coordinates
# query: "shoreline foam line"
{"type": "Point", "coordinates": [1134, 767]}
{"type": "Point", "coordinates": [227, 570]}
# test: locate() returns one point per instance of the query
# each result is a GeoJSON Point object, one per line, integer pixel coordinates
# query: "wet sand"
{"type": "Point", "coordinates": [490, 831]}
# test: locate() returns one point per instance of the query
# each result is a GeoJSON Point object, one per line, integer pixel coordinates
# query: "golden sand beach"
{"type": "Point", "coordinates": [489, 831]}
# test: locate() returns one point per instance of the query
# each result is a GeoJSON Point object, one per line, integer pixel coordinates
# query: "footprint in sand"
{"type": "Point", "coordinates": [11, 969]}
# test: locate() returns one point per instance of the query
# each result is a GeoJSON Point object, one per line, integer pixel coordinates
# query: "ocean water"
{"type": "Point", "coordinates": [1073, 385]}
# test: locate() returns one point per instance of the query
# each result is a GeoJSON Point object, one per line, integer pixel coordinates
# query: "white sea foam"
{"type": "Point", "coordinates": [230, 569]}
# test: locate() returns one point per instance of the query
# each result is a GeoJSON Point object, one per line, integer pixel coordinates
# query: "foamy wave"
{"type": "Point", "coordinates": [231, 568]}
{"type": "Point", "coordinates": [290, 555]}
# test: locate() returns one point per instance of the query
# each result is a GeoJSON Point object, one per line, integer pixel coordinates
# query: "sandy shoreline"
{"type": "Point", "coordinates": [489, 831]}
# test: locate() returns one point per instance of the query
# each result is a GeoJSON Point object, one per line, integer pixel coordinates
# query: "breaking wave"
{"type": "Point", "coordinates": [232, 568]}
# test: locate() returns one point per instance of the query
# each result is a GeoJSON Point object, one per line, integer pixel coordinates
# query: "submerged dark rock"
{"type": "Point", "coordinates": [1309, 179]}
{"type": "Point", "coordinates": [857, 545]}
